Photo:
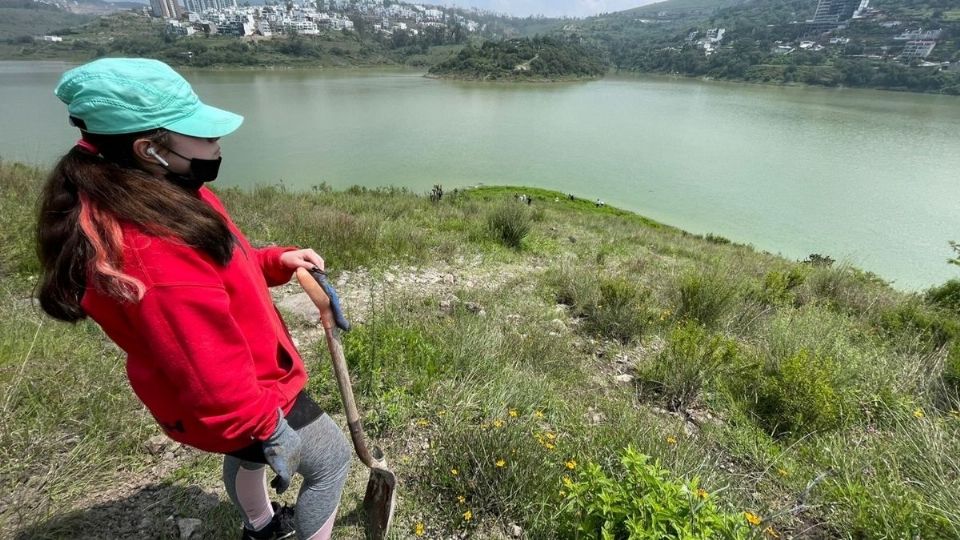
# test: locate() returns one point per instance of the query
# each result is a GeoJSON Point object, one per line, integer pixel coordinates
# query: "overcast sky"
{"type": "Point", "coordinates": [551, 8]}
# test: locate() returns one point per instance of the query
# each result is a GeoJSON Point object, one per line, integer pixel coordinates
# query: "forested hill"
{"type": "Point", "coordinates": [771, 41]}
{"type": "Point", "coordinates": [538, 58]}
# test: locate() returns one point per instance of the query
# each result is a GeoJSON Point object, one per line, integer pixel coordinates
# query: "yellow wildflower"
{"type": "Point", "coordinates": [441, 413]}
{"type": "Point", "coordinates": [551, 436]}
{"type": "Point", "coordinates": [461, 499]}
{"type": "Point", "coordinates": [955, 414]}
{"type": "Point", "coordinates": [571, 464]}
{"type": "Point", "coordinates": [671, 440]}
{"type": "Point", "coordinates": [513, 413]}
{"type": "Point", "coordinates": [562, 493]}
{"type": "Point", "coordinates": [468, 515]}
{"type": "Point", "coordinates": [498, 423]}
{"type": "Point", "coordinates": [538, 414]}
{"type": "Point", "coordinates": [752, 518]}
{"type": "Point", "coordinates": [549, 446]}
{"type": "Point", "coordinates": [501, 463]}
{"type": "Point", "coordinates": [771, 532]}
{"type": "Point", "coordinates": [423, 422]}
{"type": "Point", "coordinates": [567, 481]}
{"type": "Point", "coordinates": [783, 472]}
{"type": "Point", "coordinates": [702, 493]}
{"type": "Point", "coordinates": [918, 413]}
{"type": "Point", "coordinates": [454, 471]}
{"type": "Point", "coordinates": [419, 529]}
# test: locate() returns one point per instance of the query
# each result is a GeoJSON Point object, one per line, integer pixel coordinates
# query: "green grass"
{"type": "Point", "coordinates": [816, 398]}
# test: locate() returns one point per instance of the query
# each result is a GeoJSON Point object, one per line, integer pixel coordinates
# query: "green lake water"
{"type": "Point", "coordinates": [868, 177]}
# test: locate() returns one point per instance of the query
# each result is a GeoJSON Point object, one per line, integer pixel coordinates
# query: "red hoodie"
{"type": "Point", "coordinates": [207, 352]}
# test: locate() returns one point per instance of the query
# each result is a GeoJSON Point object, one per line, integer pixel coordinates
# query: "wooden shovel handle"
{"type": "Point", "coordinates": [320, 299]}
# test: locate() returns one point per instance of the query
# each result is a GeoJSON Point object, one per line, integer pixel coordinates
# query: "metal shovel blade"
{"type": "Point", "coordinates": [380, 499]}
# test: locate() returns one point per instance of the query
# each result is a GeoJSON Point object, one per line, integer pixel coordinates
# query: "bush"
{"type": "Point", "coordinates": [644, 503]}
{"type": "Point", "coordinates": [946, 296]}
{"type": "Point", "coordinates": [912, 323]}
{"type": "Point", "coordinates": [705, 296]}
{"type": "Point", "coordinates": [611, 307]}
{"type": "Point", "coordinates": [496, 464]}
{"type": "Point", "coordinates": [619, 312]}
{"type": "Point", "coordinates": [800, 395]}
{"type": "Point", "coordinates": [690, 360]}
{"type": "Point", "coordinates": [509, 223]}
{"type": "Point", "coordinates": [951, 372]}
{"type": "Point", "coordinates": [779, 286]}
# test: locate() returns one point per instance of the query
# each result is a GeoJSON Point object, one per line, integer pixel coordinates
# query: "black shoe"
{"type": "Point", "coordinates": [280, 527]}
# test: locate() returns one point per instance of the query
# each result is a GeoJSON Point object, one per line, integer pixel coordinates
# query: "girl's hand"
{"type": "Point", "coordinates": [306, 258]}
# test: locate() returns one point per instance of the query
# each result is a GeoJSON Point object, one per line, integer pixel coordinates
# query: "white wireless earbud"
{"type": "Point", "coordinates": [153, 152]}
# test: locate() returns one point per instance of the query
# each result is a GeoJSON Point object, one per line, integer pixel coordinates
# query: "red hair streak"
{"type": "Point", "coordinates": [106, 238]}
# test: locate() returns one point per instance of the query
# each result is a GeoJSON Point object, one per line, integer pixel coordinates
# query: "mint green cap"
{"type": "Point", "coordinates": [127, 95]}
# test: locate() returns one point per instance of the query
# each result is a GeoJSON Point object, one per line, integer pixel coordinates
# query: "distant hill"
{"type": "Point", "coordinates": [20, 19]}
{"type": "Point", "coordinates": [539, 58]}
{"type": "Point", "coordinates": [770, 41]}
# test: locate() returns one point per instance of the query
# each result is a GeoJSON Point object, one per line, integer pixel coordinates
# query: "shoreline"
{"type": "Point", "coordinates": [612, 73]}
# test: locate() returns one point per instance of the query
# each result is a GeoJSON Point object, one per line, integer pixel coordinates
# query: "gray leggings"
{"type": "Point", "coordinates": [324, 463]}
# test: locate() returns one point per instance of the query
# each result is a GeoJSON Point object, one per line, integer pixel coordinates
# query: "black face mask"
{"type": "Point", "coordinates": [201, 171]}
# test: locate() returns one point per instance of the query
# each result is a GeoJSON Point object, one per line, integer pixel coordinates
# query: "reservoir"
{"type": "Point", "coordinates": [867, 177]}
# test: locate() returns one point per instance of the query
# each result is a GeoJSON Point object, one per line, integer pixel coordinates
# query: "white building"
{"type": "Point", "coordinates": [166, 9]}
{"type": "Point", "coordinates": [920, 48]}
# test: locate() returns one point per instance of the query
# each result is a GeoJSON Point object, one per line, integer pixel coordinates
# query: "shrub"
{"type": "Point", "coordinates": [690, 360]}
{"type": "Point", "coordinates": [951, 372]}
{"type": "Point", "coordinates": [509, 223]}
{"type": "Point", "coordinates": [843, 289]}
{"type": "Point", "coordinates": [620, 311]}
{"type": "Point", "coordinates": [572, 287]}
{"type": "Point", "coordinates": [799, 395]}
{"type": "Point", "coordinates": [705, 296]}
{"type": "Point", "coordinates": [644, 503]}
{"type": "Point", "coordinates": [779, 286]}
{"type": "Point", "coordinates": [496, 465]}
{"type": "Point", "coordinates": [912, 322]}
{"type": "Point", "coordinates": [612, 307]}
{"type": "Point", "coordinates": [946, 296]}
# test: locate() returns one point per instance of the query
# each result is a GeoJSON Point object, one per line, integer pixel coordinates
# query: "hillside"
{"type": "Point", "coordinates": [505, 356]}
{"type": "Point", "coordinates": [535, 59]}
{"type": "Point", "coordinates": [770, 41]}
{"type": "Point", "coordinates": [21, 19]}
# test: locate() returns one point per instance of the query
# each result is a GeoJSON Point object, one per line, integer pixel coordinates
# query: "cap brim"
{"type": "Point", "coordinates": [207, 122]}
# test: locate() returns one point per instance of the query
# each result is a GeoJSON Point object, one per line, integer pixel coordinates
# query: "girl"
{"type": "Point", "coordinates": [129, 236]}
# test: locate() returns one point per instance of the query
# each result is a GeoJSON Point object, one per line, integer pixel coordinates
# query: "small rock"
{"type": "Point", "coordinates": [157, 445]}
{"type": "Point", "coordinates": [449, 279]}
{"type": "Point", "coordinates": [625, 378]}
{"type": "Point", "coordinates": [482, 313]}
{"type": "Point", "coordinates": [594, 416]}
{"type": "Point", "coordinates": [516, 531]}
{"type": "Point", "coordinates": [188, 526]}
{"type": "Point", "coordinates": [474, 307]}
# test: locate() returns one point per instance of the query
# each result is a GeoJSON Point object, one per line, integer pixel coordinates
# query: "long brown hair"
{"type": "Point", "coordinates": [85, 200]}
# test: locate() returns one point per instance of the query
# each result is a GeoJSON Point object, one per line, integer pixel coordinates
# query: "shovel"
{"type": "Point", "coordinates": [381, 495]}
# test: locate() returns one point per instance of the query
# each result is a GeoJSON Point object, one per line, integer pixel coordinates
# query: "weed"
{"type": "Point", "coordinates": [509, 223]}
{"type": "Point", "coordinates": [644, 502]}
{"type": "Point", "coordinates": [691, 359]}
{"type": "Point", "coordinates": [706, 296]}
